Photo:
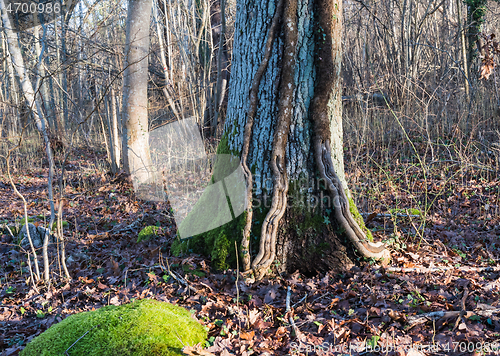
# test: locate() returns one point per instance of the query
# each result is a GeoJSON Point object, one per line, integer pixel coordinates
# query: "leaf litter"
{"type": "Point", "coordinates": [439, 296]}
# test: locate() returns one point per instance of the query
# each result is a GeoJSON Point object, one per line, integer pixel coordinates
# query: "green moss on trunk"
{"type": "Point", "coordinates": [359, 219]}
{"type": "Point", "coordinates": [218, 243]}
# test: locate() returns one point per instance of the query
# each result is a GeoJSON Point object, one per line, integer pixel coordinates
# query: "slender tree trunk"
{"type": "Point", "coordinates": [222, 64]}
{"type": "Point", "coordinates": [34, 106]}
{"type": "Point", "coordinates": [463, 47]}
{"type": "Point", "coordinates": [136, 155]}
{"type": "Point", "coordinates": [13, 91]}
{"type": "Point", "coordinates": [114, 133]}
{"type": "Point", "coordinates": [60, 117]}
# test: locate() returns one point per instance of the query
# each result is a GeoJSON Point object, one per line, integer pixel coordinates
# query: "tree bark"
{"type": "Point", "coordinates": [284, 119]}
{"type": "Point", "coordinates": [297, 119]}
{"type": "Point", "coordinates": [136, 155]}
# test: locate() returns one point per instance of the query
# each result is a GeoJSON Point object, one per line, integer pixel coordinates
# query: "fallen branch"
{"type": "Point", "coordinates": [483, 310]}
{"type": "Point", "coordinates": [434, 269]}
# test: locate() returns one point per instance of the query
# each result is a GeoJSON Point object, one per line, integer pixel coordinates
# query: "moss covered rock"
{"type": "Point", "coordinates": [142, 328]}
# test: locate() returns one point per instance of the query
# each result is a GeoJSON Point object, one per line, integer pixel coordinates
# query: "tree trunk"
{"type": "Point", "coordinates": [288, 132]}
{"type": "Point", "coordinates": [35, 108]}
{"type": "Point", "coordinates": [136, 155]}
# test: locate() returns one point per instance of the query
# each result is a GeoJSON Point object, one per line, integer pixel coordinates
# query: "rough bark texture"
{"type": "Point", "coordinates": [284, 97]}
{"type": "Point", "coordinates": [304, 238]}
{"type": "Point", "coordinates": [136, 155]}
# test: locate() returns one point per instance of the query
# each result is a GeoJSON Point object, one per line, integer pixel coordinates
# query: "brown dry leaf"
{"type": "Point", "coordinates": [395, 315]}
{"type": "Point", "coordinates": [102, 286]}
{"type": "Point", "coordinates": [196, 350]}
{"type": "Point", "coordinates": [248, 336]}
{"type": "Point", "coordinates": [334, 302]}
{"type": "Point", "coordinates": [486, 70]}
{"type": "Point", "coordinates": [153, 277]}
{"type": "Point", "coordinates": [281, 331]}
{"type": "Point", "coordinates": [253, 315]}
{"type": "Point", "coordinates": [448, 277]}
{"type": "Point", "coordinates": [115, 267]}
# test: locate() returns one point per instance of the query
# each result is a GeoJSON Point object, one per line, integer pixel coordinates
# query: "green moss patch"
{"type": "Point", "coordinates": [23, 220]}
{"type": "Point", "coordinates": [147, 233]}
{"type": "Point", "coordinates": [411, 211]}
{"type": "Point", "coordinates": [142, 328]}
{"type": "Point", "coordinates": [359, 219]}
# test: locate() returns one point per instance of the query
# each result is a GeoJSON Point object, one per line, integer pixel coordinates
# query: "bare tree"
{"type": "Point", "coordinates": [136, 155]}
{"type": "Point", "coordinates": [35, 108]}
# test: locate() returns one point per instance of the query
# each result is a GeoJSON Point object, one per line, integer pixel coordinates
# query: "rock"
{"type": "Point", "coordinates": [37, 235]}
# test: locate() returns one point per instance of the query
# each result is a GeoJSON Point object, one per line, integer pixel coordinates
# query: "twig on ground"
{"type": "Point", "coordinates": [290, 315]}
{"type": "Point", "coordinates": [482, 310]}
{"type": "Point", "coordinates": [177, 278]}
{"type": "Point", "coordinates": [304, 298]}
{"type": "Point", "coordinates": [73, 344]}
{"type": "Point", "coordinates": [462, 311]}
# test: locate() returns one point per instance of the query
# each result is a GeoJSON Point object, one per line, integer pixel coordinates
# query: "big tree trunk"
{"type": "Point", "coordinates": [136, 155]}
{"type": "Point", "coordinates": [284, 119]}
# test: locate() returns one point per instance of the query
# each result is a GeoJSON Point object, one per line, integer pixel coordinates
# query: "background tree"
{"type": "Point", "coordinates": [136, 155]}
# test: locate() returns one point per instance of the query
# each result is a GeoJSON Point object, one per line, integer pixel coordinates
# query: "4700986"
{"type": "Point", "coordinates": [33, 8]}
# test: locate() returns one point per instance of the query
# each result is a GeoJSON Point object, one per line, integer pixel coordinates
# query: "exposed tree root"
{"type": "Point", "coordinates": [267, 249]}
{"type": "Point", "coordinates": [341, 204]}
{"type": "Point", "coordinates": [254, 91]}
{"type": "Point", "coordinates": [327, 61]}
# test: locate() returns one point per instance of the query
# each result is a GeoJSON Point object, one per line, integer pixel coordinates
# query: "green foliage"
{"type": "Point", "coordinates": [476, 10]}
{"type": "Point", "coordinates": [23, 220]}
{"type": "Point", "coordinates": [147, 233]}
{"type": "Point", "coordinates": [63, 223]}
{"type": "Point", "coordinates": [142, 328]}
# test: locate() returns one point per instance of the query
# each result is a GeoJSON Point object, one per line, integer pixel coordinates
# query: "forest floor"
{"type": "Point", "coordinates": [444, 231]}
